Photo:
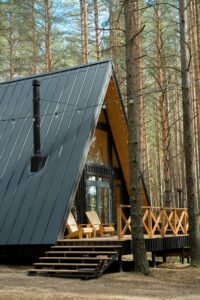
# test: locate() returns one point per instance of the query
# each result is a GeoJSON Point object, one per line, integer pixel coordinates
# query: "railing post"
{"type": "Point", "coordinates": [174, 221]}
{"type": "Point", "coordinates": [119, 222]}
{"type": "Point", "coordinates": [185, 221]}
{"type": "Point", "coordinates": [150, 222]}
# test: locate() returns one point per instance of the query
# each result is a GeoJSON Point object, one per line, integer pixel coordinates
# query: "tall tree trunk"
{"type": "Point", "coordinates": [158, 161]}
{"type": "Point", "coordinates": [84, 31]}
{"type": "Point", "coordinates": [111, 27]}
{"type": "Point", "coordinates": [34, 45]}
{"type": "Point", "coordinates": [193, 16]}
{"type": "Point", "coordinates": [176, 177]}
{"type": "Point", "coordinates": [96, 20]}
{"type": "Point", "coordinates": [115, 37]}
{"type": "Point", "coordinates": [188, 140]}
{"type": "Point", "coordinates": [48, 62]}
{"type": "Point", "coordinates": [163, 103]}
{"type": "Point", "coordinates": [11, 42]}
{"type": "Point", "coordinates": [132, 57]}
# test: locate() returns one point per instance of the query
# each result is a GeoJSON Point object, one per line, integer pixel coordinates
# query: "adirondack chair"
{"type": "Point", "coordinates": [97, 226]}
{"type": "Point", "coordinates": [77, 230]}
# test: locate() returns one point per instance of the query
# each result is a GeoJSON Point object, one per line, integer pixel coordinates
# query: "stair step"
{"type": "Point", "coordinates": [73, 258]}
{"type": "Point", "coordinates": [65, 264]}
{"type": "Point", "coordinates": [82, 252]}
{"type": "Point", "coordinates": [60, 271]}
{"type": "Point", "coordinates": [77, 259]}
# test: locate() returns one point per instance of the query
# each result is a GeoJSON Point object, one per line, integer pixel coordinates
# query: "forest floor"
{"type": "Point", "coordinates": [169, 281]}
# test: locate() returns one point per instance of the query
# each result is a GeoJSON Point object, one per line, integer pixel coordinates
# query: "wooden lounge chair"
{"type": "Point", "coordinates": [77, 230]}
{"type": "Point", "coordinates": [97, 226]}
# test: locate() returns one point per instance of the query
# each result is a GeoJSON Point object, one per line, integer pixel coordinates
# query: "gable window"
{"type": "Point", "coordinates": [98, 153]}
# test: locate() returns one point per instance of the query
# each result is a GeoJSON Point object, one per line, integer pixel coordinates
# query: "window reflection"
{"type": "Point", "coordinates": [91, 197]}
{"type": "Point", "coordinates": [98, 153]}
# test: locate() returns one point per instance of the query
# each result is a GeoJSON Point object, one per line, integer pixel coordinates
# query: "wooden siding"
{"type": "Point", "coordinates": [119, 131]}
{"type": "Point", "coordinates": [118, 127]}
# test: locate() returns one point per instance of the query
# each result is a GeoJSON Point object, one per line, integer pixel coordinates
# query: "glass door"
{"type": "Point", "coordinates": [98, 198]}
{"type": "Point", "coordinates": [91, 196]}
{"type": "Point", "coordinates": [104, 202]}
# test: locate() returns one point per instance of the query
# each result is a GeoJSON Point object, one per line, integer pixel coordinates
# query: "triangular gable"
{"type": "Point", "coordinates": [33, 207]}
{"type": "Point", "coordinates": [119, 129]}
{"type": "Point", "coordinates": [118, 125]}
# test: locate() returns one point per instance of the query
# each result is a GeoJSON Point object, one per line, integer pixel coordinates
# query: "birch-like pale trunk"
{"type": "Point", "coordinates": [97, 33]}
{"type": "Point", "coordinates": [84, 31]}
{"type": "Point", "coordinates": [48, 60]}
{"type": "Point", "coordinates": [34, 45]}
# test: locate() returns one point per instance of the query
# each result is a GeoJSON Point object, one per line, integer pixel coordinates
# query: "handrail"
{"type": "Point", "coordinates": [156, 221]}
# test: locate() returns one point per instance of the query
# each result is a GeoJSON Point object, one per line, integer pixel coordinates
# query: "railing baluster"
{"type": "Point", "coordinates": [162, 217]}
{"type": "Point", "coordinates": [119, 222]}
{"type": "Point", "coordinates": [185, 221]}
{"type": "Point", "coordinates": [150, 222]}
{"type": "Point", "coordinates": [174, 221]}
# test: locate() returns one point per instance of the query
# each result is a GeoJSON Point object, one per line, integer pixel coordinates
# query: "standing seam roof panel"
{"type": "Point", "coordinates": [33, 207]}
{"type": "Point", "coordinates": [82, 141]}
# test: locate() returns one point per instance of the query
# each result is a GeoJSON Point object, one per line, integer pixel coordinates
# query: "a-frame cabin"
{"type": "Point", "coordinates": [71, 154]}
{"type": "Point", "coordinates": [84, 148]}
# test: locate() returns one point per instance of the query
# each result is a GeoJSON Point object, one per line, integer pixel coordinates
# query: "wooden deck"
{"type": "Point", "coordinates": [157, 243]}
{"type": "Point", "coordinates": [165, 231]}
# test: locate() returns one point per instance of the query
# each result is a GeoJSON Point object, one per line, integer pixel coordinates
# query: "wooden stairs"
{"type": "Point", "coordinates": [81, 259]}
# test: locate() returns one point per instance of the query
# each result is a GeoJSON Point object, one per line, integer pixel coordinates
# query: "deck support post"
{"type": "Point", "coordinates": [164, 257]}
{"type": "Point", "coordinates": [119, 222]}
{"type": "Point", "coordinates": [120, 261]}
{"type": "Point", "coordinates": [154, 259]}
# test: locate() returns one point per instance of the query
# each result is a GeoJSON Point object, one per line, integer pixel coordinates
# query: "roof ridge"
{"type": "Point", "coordinates": [58, 71]}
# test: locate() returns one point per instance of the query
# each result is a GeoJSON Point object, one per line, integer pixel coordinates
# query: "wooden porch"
{"type": "Point", "coordinates": [165, 233]}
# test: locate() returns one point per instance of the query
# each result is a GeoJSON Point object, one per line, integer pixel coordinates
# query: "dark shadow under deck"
{"type": "Point", "coordinates": [159, 246]}
{"type": "Point", "coordinates": [155, 244]}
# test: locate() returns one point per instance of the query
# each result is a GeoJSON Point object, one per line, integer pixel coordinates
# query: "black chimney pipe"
{"type": "Point", "coordinates": [36, 117]}
{"type": "Point", "coordinates": [36, 159]}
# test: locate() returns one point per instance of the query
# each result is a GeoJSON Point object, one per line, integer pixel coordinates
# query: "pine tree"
{"type": "Point", "coordinates": [188, 139]}
{"type": "Point", "coordinates": [132, 39]}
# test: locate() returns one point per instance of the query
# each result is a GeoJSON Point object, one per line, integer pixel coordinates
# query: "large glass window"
{"type": "Point", "coordinates": [98, 153]}
{"type": "Point", "coordinates": [98, 198]}
{"type": "Point", "coordinates": [91, 195]}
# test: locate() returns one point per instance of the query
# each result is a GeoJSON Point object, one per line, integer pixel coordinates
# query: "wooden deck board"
{"type": "Point", "coordinates": [115, 238]}
{"type": "Point", "coordinates": [86, 246]}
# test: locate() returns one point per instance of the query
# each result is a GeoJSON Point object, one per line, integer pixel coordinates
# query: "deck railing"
{"type": "Point", "coordinates": [156, 221]}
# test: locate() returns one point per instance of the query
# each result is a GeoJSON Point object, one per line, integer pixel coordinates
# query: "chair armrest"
{"type": "Point", "coordinates": [108, 225]}
{"type": "Point", "coordinates": [85, 225]}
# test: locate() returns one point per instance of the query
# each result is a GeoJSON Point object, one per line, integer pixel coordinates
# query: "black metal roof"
{"type": "Point", "coordinates": [33, 206]}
